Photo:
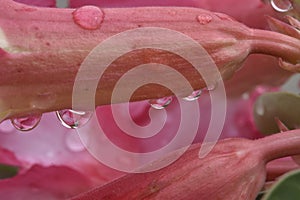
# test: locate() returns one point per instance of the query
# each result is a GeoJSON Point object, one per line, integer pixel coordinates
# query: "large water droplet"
{"type": "Point", "coordinates": [73, 119]}
{"type": "Point", "coordinates": [88, 17]}
{"type": "Point", "coordinates": [26, 123]}
{"type": "Point", "coordinates": [194, 96]}
{"type": "Point", "coordinates": [160, 103]}
{"type": "Point", "coordinates": [282, 5]}
{"type": "Point", "coordinates": [74, 143]}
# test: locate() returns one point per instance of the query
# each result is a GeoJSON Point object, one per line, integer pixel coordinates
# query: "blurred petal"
{"type": "Point", "coordinates": [8, 157]}
{"type": "Point", "coordinates": [49, 183]}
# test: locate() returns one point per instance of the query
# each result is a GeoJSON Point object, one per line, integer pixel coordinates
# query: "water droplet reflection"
{"type": "Point", "coordinates": [194, 96]}
{"type": "Point", "coordinates": [73, 119]}
{"type": "Point", "coordinates": [26, 123]}
{"type": "Point", "coordinates": [281, 5]}
{"type": "Point", "coordinates": [161, 103]}
{"type": "Point", "coordinates": [88, 17]}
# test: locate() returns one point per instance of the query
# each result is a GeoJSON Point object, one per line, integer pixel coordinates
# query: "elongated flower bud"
{"type": "Point", "coordinates": [41, 50]}
{"type": "Point", "coordinates": [235, 169]}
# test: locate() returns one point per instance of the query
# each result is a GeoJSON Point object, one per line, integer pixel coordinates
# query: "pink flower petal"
{"type": "Point", "coordinates": [49, 183]}
{"type": "Point", "coordinates": [7, 157]}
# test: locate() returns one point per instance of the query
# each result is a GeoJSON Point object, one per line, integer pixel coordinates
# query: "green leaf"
{"type": "Point", "coordinates": [282, 105]}
{"type": "Point", "coordinates": [8, 171]}
{"type": "Point", "coordinates": [287, 188]}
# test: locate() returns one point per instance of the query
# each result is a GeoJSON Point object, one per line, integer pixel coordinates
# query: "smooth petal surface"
{"type": "Point", "coordinates": [44, 3]}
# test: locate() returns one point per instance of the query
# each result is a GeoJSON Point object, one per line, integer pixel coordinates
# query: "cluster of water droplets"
{"type": "Point", "coordinates": [69, 118]}
{"type": "Point", "coordinates": [72, 119]}
{"type": "Point", "coordinates": [162, 103]}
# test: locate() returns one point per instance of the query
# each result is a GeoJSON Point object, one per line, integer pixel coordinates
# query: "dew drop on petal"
{"type": "Point", "coordinates": [73, 119]}
{"type": "Point", "coordinates": [194, 96]}
{"type": "Point", "coordinates": [281, 5]}
{"type": "Point", "coordinates": [161, 103]}
{"type": "Point", "coordinates": [212, 86]}
{"type": "Point", "coordinates": [26, 123]}
{"type": "Point", "coordinates": [88, 17]}
{"type": "Point", "coordinates": [74, 143]}
{"type": "Point", "coordinates": [204, 19]}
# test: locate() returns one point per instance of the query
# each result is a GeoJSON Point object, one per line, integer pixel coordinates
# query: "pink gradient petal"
{"type": "Point", "coordinates": [7, 157]}
{"type": "Point", "coordinates": [78, 170]}
{"type": "Point", "coordinates": [49, 144]}
{"type": "Point", "coordinates": [51, 183]}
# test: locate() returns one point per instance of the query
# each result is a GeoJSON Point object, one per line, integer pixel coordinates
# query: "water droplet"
{"type": "Point", "coordinates": [161, 103]}
{"type": "Point", "coordinates": [282, 5]}
{"type": "Point", "coordinates": [194, 96]}
{"type": "Point", "coordinates": [26, 123]}
{"type": "Point", "coordinates": [73, 119]}
{"type": "Point", "coordinates": [212, 86]}
{"type": "Point", "coordinates": [74, 143]}
{"type": "Point", "coordinates": [204, 19]}
{"type": "Point", "coordinates": [88, 17]}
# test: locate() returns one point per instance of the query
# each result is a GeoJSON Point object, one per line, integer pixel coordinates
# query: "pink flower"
{"type": "Point", "coordinates": [54, 164]}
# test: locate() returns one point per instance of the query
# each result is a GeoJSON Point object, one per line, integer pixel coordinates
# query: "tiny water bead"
{"type": "Point", "coordinates": [73, 119]}
{"type": "Point", "coordinates": [26, 123]}
{"type": "Point", "coordinates": [194, 96]}
{"type": "Point", "coordinates": [204, 19]}
{"type": "Point", "coordinates": [212, 86]}
{"type": "Point", "coordinates": [281, 5]}
{"type": "Point", "coordinates": [161, 103]}
{"type": "Point", "coordinates": [88, 17]}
